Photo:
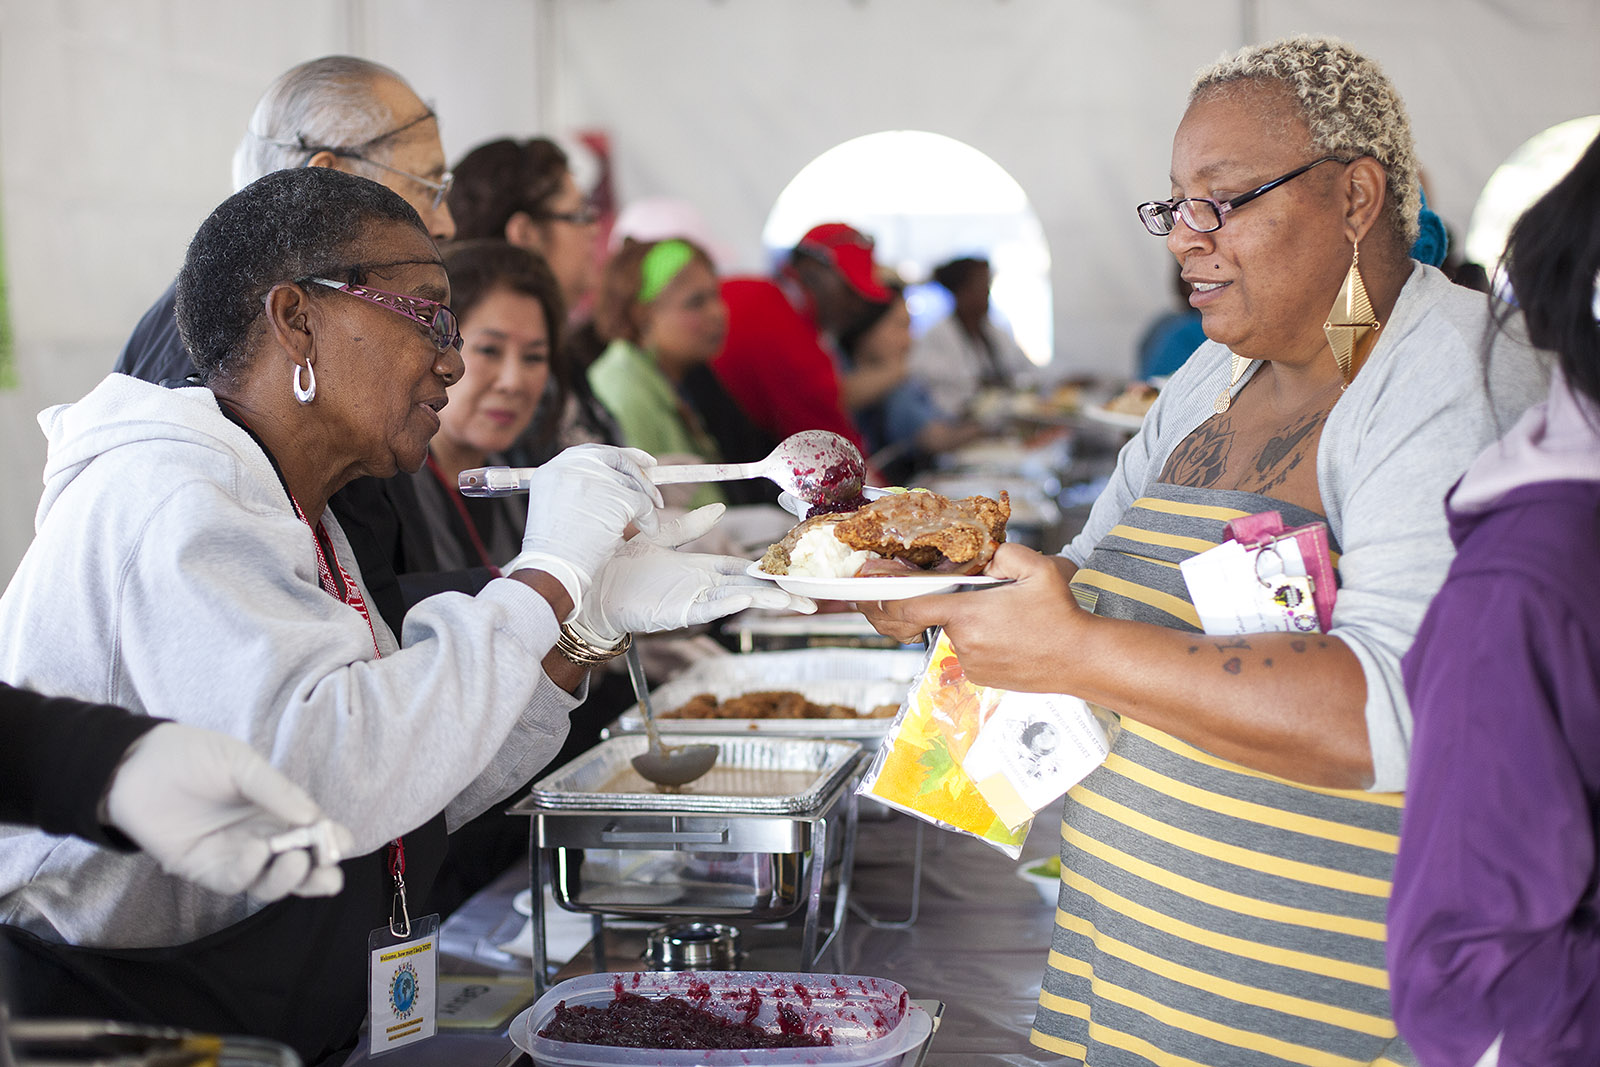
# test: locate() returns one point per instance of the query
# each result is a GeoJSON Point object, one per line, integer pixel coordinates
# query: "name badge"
{"type": "Point", "coordinates": [403, 984]}
{"type": "Point", "coordinates": [1239, 590]}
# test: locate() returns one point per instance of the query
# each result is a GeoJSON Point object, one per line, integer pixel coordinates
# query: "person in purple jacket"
{"type": "Point", "coordinates": [1494, 946]}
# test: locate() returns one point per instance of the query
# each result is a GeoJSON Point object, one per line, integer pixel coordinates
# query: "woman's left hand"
{"type": "Point", "coordinates": [1001, 633]}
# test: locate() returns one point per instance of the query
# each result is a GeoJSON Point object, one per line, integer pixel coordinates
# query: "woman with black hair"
{"type": "Point", "coordinates": [1492, 931]}
{"type": "Point", "coordinates": [524, 192]}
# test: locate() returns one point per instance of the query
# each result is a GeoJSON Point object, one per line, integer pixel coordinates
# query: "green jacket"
{"type": "Point", "coordinates": [649, 411]}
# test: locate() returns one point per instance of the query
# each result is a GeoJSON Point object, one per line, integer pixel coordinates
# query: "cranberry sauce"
{"type": "Point", "coordinates": [633, 1021]}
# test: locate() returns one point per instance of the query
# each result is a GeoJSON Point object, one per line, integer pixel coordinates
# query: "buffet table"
{"type": "Point", "coordinates": [978, 946]}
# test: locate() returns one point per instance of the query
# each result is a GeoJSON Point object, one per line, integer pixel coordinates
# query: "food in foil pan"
{"type": "Point", "coordinates": [771, 704]}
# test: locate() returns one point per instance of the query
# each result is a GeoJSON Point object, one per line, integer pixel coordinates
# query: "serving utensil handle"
{"type": "Point", "coordinates": [677, 473]}
{"type": "Point", "coordinates": [495, 481]}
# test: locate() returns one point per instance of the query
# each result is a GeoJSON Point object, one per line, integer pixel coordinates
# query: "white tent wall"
{"type": "Point", "coordinates": [118, 119]}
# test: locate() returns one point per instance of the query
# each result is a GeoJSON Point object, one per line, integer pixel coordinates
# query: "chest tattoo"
{"type": "Point", "coordinates": [1201, 459]}
{"type": "Point", "coordinates": [1283, 453]}
{"type": "Point", "coordinates": [1262, 462]}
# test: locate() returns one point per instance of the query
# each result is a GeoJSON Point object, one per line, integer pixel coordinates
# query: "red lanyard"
{"type": "Point", "coordinates": [351, 593]}
{"type": "Point", "coordinates": [453, 495]}
{"type": "Point", "coordinates": [399, 915]}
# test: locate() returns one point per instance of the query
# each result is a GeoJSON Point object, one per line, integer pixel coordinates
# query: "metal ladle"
{"type": "Point", "coordinates": [666, 767]}
{"type": "Point", "coordinates": [817, 466]}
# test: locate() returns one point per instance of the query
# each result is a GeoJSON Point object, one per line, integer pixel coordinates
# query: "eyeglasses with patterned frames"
{"type": "Point", "coordinates": [432, 315]}
{"type": "Point", "coordinates": [1205, 215]}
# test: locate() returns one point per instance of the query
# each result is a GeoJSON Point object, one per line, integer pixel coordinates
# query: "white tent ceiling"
{"type": "Point", "coordinates": [117, 118]}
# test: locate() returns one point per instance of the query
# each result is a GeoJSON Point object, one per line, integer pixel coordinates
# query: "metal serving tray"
{"type": "Point", "coordinates": [859, 694]}
{"type": "Point", "coordinates": [754, 775]}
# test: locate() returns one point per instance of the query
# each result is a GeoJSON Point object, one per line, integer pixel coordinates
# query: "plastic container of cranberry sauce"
{"type": "Point", "coordinates": [871, 1022]}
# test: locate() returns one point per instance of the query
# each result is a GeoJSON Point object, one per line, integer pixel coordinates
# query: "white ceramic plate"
{"type": "Point", "coordinates": [894, 587]}
{"type": "Point", "coordinates": [1119, 419]}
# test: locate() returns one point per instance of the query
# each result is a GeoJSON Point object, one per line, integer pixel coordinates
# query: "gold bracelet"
{"type": "Point", "coordinates": [584, 654]}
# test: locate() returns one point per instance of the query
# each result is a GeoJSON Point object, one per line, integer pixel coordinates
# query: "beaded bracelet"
{"type": "Point", "coordinates": [584, 654]}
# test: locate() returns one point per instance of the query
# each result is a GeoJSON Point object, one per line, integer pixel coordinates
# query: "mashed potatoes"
{"type": "Point", "coordinates": [819, 554]}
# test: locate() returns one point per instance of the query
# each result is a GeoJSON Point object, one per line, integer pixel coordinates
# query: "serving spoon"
{"type": "Point", "coordinates": [817, 466]}
{"type": "Point", "coordinates": [668, 767]}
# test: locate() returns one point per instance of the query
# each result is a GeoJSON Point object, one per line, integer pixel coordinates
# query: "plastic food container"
{"type": "Point", "coordinates": [871, 1020]}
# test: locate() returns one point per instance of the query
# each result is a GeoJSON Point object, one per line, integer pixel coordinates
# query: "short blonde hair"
{"type": "Point", "coordinates": [1350, 106]}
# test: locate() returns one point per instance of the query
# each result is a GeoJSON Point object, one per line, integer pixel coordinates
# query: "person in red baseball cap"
{"type": "Point", "coordinates": [779, 361]}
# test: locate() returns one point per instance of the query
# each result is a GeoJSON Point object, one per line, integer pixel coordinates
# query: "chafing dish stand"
{"type": "Point", "coordinates": [830, 825]}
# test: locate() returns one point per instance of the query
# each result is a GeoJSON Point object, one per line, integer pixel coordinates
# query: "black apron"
{"type": "Point", "coordinates": [295, 972]}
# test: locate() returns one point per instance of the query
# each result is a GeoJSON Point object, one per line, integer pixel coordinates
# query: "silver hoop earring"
{"type": "Point", "coordinates": [305, 394]}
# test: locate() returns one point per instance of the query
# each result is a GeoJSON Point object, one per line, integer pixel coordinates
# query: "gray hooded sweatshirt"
{"type": "Point", "coordinates": [163, 526]}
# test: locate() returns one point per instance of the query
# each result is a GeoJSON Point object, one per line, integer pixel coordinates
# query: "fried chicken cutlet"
{"type": "Point", "coordinates": [906, 533]}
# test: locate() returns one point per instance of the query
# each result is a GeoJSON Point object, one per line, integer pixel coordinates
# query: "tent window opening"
{"type": "Point", "coordinates": [926, 199]}
{"type": "Point", "coordinates": [1525, 176]}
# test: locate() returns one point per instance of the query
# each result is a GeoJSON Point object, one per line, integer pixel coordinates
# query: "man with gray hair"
{"type": "Point", "coordinates": [342, 112]}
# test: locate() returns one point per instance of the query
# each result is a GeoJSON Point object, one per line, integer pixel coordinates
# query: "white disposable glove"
{"type": "Point", "coordinates": [579, 504]}
{"type": "Point", "coordinates": [206, 806]}
{"type": "Point", "coordinates": [648, 587]}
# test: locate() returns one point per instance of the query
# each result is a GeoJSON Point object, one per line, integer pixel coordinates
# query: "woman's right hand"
{"type": "Point", "coordinates": [580, 503]}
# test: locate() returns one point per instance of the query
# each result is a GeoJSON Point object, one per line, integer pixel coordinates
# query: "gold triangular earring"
{"type": "Point", "coordinates": [1351, 321]}
{"type": "Point", "coordinates": [1236, 366]}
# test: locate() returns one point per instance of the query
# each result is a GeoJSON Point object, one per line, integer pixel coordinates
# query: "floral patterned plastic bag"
{"type": "Point", "coordinates": [980, 760]}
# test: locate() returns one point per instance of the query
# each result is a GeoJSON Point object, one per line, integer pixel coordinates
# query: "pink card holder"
{"type": "Point", "coordinates": [1262, 531]}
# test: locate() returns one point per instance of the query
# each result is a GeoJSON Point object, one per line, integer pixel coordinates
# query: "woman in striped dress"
{"type": "Point", "coordinates": [1225, 872]}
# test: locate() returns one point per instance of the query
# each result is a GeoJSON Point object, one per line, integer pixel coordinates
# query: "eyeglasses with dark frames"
{"type": "Point", "coordinates": [587, 215]}
{"type": "Point", "coordinates": [1205, 215]}
{"type": "Point", "coordinates": [432, 315]}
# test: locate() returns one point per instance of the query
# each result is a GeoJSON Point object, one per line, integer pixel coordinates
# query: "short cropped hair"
{"type": "Point", "coordinates": [477, 268]}
{"type": "Point", "coordinates": [323, 103]}
{"type": "Point", "coordinates": [1350, 106]}
{"type": "Point", "coordinates": [284, 227]}
{"type": "Point", "coordinates": [496, 180]}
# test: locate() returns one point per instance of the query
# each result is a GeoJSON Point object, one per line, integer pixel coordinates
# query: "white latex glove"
{"type": "Point", "coordinates": [646, 588]}
{"type": "Point", "coordinates": [689, 527]}
{"type": "Point", "coordinates": [579, 504]}
{"type": "Point", "coordinates": [205, 805]}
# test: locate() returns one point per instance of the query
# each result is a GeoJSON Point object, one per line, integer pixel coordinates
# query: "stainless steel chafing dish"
{"type": "Point", "coordinates": [767, 833]}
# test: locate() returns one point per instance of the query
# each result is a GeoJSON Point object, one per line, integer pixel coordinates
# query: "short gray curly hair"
{"type": "Point", "coordinates": [1349, 104]}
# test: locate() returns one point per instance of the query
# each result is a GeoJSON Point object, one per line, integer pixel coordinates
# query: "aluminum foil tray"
{"type": "Point", "coordinates": [739, 784]}
{"type": "Point", "coordinates": [860, 694]}
{"type": "Point", "coordinates": [783, 670]}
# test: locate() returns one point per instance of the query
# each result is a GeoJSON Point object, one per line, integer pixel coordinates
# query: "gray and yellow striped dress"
{"type": "Point", "coordinates": [1211, 914]}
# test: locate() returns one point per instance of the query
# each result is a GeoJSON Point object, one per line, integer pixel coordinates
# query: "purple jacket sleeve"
{"type": "Point", "coordinates": [1492, 920]}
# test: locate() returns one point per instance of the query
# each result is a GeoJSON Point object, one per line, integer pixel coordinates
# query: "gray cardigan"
{"type": "Point", "coordinates": [1416, 415]}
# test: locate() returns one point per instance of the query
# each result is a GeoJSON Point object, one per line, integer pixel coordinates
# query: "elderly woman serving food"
{"type": "Point", "coordinates": [316, 306]}
{"type": "Point", "coordinates": [1225, 871]}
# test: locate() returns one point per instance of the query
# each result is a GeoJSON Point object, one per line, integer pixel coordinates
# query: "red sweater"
{"type": "Point", "coordinates": [774, 365]}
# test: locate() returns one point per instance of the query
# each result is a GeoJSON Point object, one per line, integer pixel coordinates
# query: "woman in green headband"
{"type": "Point", "coordinates": [662, 312]}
